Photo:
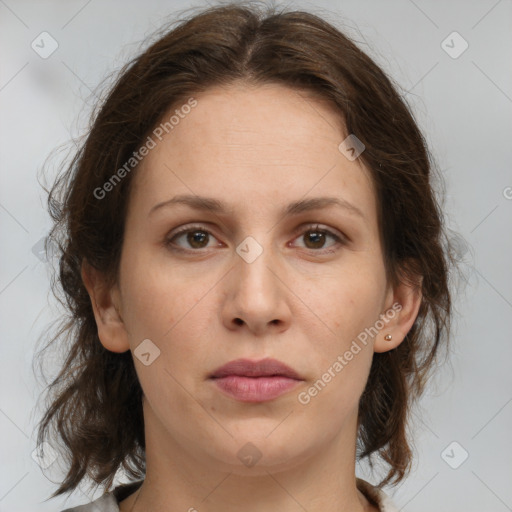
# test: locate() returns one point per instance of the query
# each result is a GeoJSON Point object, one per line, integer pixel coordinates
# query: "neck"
{"type": "Point", "coordinates": [179, 480]}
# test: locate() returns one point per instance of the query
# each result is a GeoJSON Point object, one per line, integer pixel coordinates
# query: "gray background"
{"type": "Point", "coordinates": [463, 105]}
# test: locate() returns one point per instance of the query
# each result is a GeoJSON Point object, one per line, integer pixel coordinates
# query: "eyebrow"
{"type": "Point", "coordinates": [294, 208]}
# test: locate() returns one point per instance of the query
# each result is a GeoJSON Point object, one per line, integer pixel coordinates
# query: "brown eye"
{"type": "Point", "coordinates": [196, 237]}
{"type": "Point", "coordinates": [315, 239]}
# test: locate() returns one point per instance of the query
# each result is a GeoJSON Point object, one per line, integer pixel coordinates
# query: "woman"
{"type": "Point", "coordinates": [253, 260]}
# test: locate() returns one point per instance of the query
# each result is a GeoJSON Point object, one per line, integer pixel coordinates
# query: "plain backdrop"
{"type": "Point", "coordinates": [463, 103]}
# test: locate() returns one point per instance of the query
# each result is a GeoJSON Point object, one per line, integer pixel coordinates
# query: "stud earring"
{"type": "Point", "coordinates": [388, 337]}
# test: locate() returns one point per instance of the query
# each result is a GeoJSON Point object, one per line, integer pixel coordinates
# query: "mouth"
{"type": "Point", "coordinates": [263, 368]}
{"type": "Point", "coordinates": [255, 381]}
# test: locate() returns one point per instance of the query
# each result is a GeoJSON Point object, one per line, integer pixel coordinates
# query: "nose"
{"type": "Point", "coordinates": [257, 295]}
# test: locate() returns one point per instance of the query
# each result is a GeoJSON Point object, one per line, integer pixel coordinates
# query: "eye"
{"type": "Point", "coordinates": [198, 237]}
{"type": "Point", "coordinates": [315, 237]}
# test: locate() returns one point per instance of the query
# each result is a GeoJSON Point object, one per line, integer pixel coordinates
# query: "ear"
{"type": "Point", "coordinates": [405, 301]}
{"type": "Point", "coordinates": [105, 304]}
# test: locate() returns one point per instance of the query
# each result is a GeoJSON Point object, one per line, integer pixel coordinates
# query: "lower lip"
{"type": "Point", "coordinates": [255, 389]}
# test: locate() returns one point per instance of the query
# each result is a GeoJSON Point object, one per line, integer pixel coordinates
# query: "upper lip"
{"type": "Point", "coordinates": [248, 368]}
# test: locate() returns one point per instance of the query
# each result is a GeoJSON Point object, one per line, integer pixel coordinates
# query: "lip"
{"type": "Point", "coordinates": [267, 367]}
{"type": "Point", "coordinates": [255, 381]}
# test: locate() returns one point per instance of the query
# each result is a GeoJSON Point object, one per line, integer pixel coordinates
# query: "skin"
{"type": "Point", "coordinates": [257, 149]}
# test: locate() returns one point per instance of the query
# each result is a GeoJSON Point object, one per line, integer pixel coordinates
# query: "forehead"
{"type": "Point", "coordinates": [253, 144]}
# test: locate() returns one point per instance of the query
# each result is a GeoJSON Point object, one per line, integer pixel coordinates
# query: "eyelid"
{"type": "Point", "coordinates": [312, 226]}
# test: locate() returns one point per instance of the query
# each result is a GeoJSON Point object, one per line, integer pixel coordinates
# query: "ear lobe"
{"type": "Point", "coordinates": [406, 302]}
{"type": "Point", "coordinates": [105, 304]}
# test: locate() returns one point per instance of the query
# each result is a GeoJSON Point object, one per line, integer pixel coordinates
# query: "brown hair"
{"type": "Point", "coordinates": [95, 402]}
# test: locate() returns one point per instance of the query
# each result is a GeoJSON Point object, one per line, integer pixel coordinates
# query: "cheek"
{"type": "Point", "coordinates": [338, 324]}
{"type": "Point", "coordinates": [170, 307]}
{"type": "Point", "coordinates": [164, 306]}
{"type": "Point", "coordinates": [341, 356]}
{"type": "Point", "coordinates": [346, 302]}
{"type": "Point", "coordinates": [155, 297]}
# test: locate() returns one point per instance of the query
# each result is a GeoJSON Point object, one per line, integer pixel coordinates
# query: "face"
{"type": "Point", "coordinates": [251, 280]}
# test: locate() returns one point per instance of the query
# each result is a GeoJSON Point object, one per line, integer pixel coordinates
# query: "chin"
{"type": "Point", "coordinates": [257, 453]}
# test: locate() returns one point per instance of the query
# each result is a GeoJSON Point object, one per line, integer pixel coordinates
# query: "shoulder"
{"type": "Point", "coordinates": [105, 503]}
{"type": "Point", "coordinates": [109, 502]}
{"type": "Point", "coordinates": [378, 497]}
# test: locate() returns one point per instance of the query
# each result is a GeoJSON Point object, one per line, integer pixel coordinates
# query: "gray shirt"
{"type": "Point", "coordinates": [109, 502]}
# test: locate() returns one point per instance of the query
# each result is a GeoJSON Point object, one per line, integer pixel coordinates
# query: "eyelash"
{"type": "Point", "coordinates": [310, 228]}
